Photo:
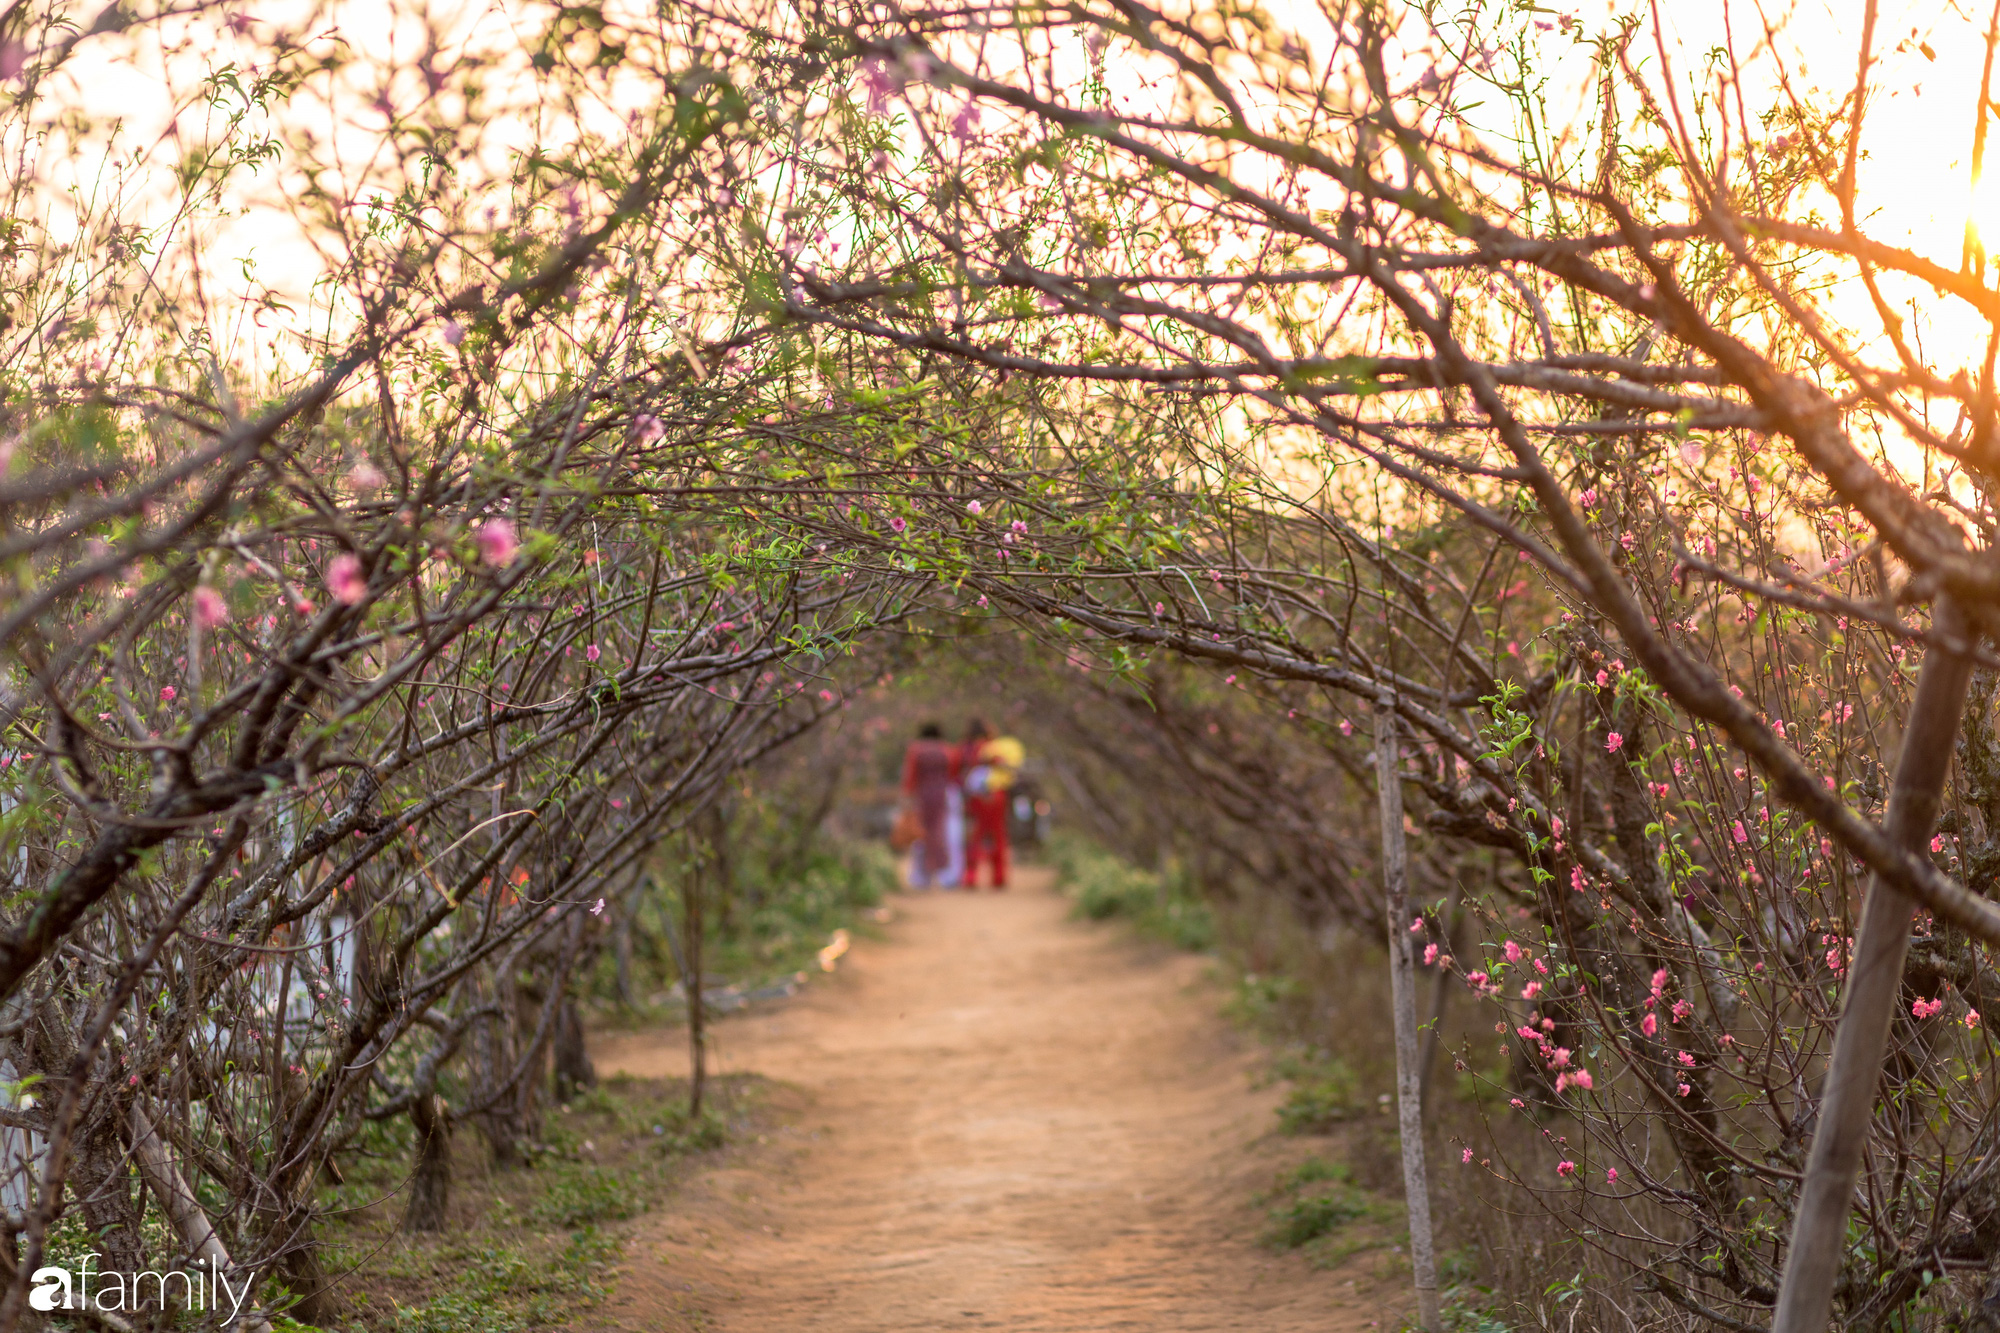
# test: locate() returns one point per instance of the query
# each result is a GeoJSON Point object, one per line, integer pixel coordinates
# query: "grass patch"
{"type": "Point", "coordinates": [1324, 1092]}
{"type": "Point", "coordinates": [1163, 906]}
{"type": "Point", "coordinates": [509, 1289]}
{"type": "Point", "coordinates": [1311, 1216]}
{"type": "Point", "coordinates": [1466, 1306]}
{"type": "Point", "coordinates": [531, 1247]}
{"type": "Point", "coordinates": [1317, 1207]}
{"type": "Point", "coordinates": [577, 1199]}
{"type": "Point", "coordinates": [796, 914]}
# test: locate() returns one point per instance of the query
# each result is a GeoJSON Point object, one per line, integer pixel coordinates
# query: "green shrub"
{"type": "Point", "coordinates": [1324, 1093]}
{"type": "Point", "coordinates": [781, 906]}
{"type": "Point", "coordinates": [1311, 1216]}
{"type": "Point", "coordinates": [583, 1197]}
{"type": "Point", "coordinates": [1314, 1171]}
{"type": "Point", "coordinates": [1103, 886]}
{"type": "Point", "coordinates": [676, 1134]}
{"type": "Point", "coordinates": [1315, 1199]}
{"type": "Point", "coordinates": [501, 1289]}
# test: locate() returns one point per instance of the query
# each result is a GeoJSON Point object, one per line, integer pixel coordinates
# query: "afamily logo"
{"type": "Point", "coordinates": [194, 1290]}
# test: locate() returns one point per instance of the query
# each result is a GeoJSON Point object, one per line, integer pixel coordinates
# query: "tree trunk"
{"type": "Point", "coordinates": [183, 1210]}
{"type": "Point", "coordinates": [574, 1072]}
{"type": "Point", "coordinates": [1874, 984]}
{"type": "Point", "coordinates": [621, 946]}
{"type": "Point", "coordinates": [495, 1063]}
{"type": "Point", "coordinates": [100, 1180]}
{"type": "Point", "coordinates": [1403, 998]}
{"type": "Point", "coordinates": [430, 1182]}
{"type": "Point", "coordinates": [693, 930]}
{"type": "Point", "coordinates": [1440, 996]}
{"type": "Point", "coordinates": [296, 1264]}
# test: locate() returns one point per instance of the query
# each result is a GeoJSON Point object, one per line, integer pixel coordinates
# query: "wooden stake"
{"type": "Point", "coordinates": [1403, 999]}
{"type": "Point", "coordinates": [692, 930]}
{"type": "Point", "coordinates": [1874, 989]}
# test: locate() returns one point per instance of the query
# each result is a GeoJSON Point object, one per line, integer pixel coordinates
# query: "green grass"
{"type": "Point", "coordinates": [1315, 1203]}
{"type": "Point", "coordinates": [1103, 886]}
{"type": "Point", "coordinates": [776, 921]}
{"type": "Point", "coordinates": [1311, 1216]}
{"type": "Point", "coordinates": [585, 1198]}
{"type": "Point", "coordinates": [794, 919]}
{"type": "Point", "coordinates": [532, 1247]}
{"type": "Point", "coordinates": [1324, 1092]}
{"type": "Point", "coordinates": [507, 1289]}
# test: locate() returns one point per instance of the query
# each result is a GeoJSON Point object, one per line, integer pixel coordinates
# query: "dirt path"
{"type": "Point", "coordinates": [1007, 1120]}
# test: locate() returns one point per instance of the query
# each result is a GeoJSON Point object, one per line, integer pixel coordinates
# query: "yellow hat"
{"type": "Point", "coordinates": [1005, 751]}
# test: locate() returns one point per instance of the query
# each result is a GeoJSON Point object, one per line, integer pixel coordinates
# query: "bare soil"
{"type": "Point", "coordinates": [997, 1118]}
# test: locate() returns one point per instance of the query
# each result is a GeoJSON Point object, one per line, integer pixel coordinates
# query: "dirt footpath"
{"type": "Point", "coordinates": [1006, 1120]}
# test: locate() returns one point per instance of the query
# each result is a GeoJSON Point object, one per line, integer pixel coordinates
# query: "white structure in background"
{"type": "Point", "coordinates": [18, 862]}
{"type": "Point", "coordinates": [21, 1150]}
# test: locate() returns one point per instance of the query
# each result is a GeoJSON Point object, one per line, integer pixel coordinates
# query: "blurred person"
{"type": "Point", "coordinates": [976, 733]}
{"type": "Point", "coordinates": [991, 764]}
{"type": "Point", "coordinates": [930, 775]}
{"type": "Point", "coordinates": [954, 828]}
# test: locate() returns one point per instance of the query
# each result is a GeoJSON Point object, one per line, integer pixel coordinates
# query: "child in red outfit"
{"type": "Point", "coordinates": [989, 765]}
{"type": "Point", "coordinates": [987, 838]}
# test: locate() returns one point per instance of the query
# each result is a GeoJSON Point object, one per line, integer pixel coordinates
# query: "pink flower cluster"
{"type": "Point", "coordinates": [497, 542]}
{"type": "Point", "coordinates": [1556, 1057]}
{"type": "Point", "coordinates": [1926, 1008]}
{"type": "Point", "coordinates": [209, 608]}
{"type": "Point", "coordinates": [345, 580]}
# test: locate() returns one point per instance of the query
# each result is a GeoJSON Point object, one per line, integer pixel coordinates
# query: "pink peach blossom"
{"type": "Point", "coordinates": [498, 543]}
{"type": "Point", "coordinates": [209, 608]}
{"type": "Point", "coordinates": [345, 580]}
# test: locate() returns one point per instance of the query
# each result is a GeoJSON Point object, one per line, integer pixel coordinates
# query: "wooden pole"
{"type": "Point", "coordinates": [692, 931]}
{"type": "Point", "coordinates": [1403, 999]}
{"type": "Point", "coordinates": [1874, 986]}
{"type": "Point", "coordinates": [1440, 993]}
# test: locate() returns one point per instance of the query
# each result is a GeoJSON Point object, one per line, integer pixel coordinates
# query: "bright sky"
{"type": "Point", "coordinates": [1914, 181]}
